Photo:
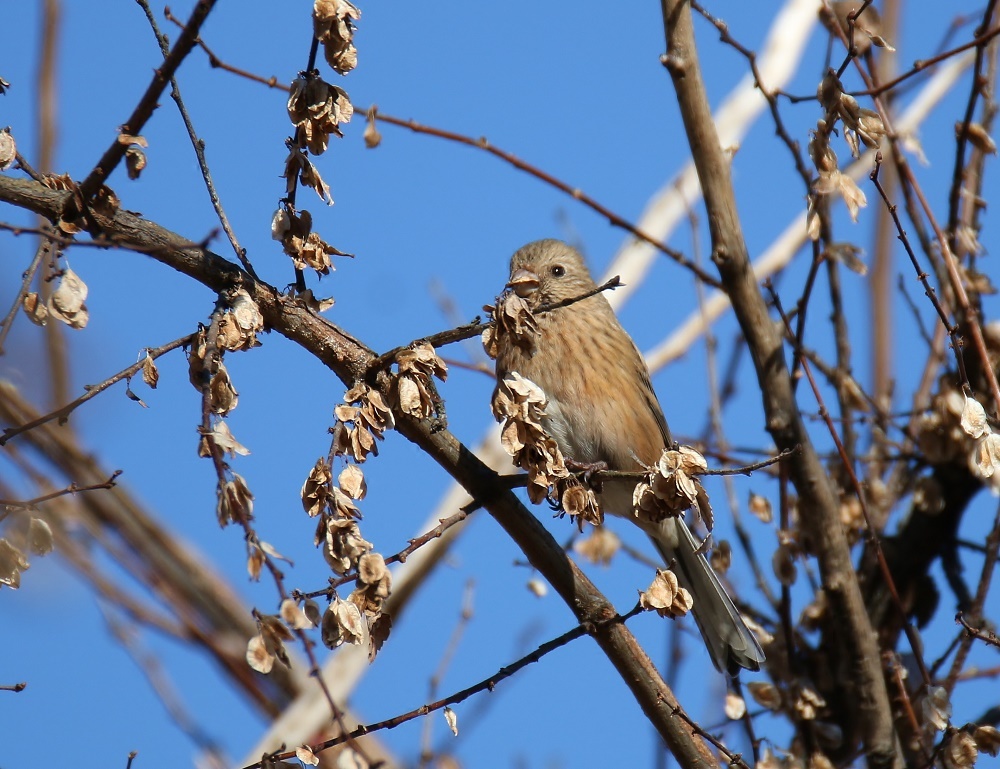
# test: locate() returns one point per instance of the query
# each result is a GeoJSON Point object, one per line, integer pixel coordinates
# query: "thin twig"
{"type": "Point", "coordinates": [483, 144]}
{"type": "Point", "coordinates": [487, 684]}
{"type": "Point", "coordinates": [150, 99]}
{"type": "Point", "coordinates": [28, 504]}
{"type": "Point", "coordinates": [871, 533]}
{"type": "Point", "coordinates": [93, 390]}
{"type": "Point", "coordinates": [198, 145]}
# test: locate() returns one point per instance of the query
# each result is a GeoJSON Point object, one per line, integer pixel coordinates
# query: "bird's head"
{"type": "Point", "coordinates": [548, 271]}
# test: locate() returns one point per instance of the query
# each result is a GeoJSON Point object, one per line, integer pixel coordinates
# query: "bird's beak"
{"type": "Point", "coordinates": [524, 282]}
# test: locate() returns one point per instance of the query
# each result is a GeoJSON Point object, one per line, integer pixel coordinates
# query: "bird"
{"type": "Point", "coordinates": [602, 411]}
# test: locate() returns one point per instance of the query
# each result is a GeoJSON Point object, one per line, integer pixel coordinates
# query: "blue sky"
{"type": "Point", "coordinates": [575, 88]}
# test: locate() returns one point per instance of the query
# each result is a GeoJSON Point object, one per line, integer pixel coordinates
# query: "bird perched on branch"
{"type": "Point", "coordinates": [602, 412]}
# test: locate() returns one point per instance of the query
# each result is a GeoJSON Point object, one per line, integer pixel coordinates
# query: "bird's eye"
{"type": "Point", "coordinates": [558, 270]}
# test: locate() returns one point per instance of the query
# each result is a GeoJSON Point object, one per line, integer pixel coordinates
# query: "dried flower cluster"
{"type": "Point", "coordinates": [520, 404]}
{"type": "Point", "coordinates": [317, 109]}
{"type": "Point", "coordinates": [234, 501]}
{"type": "Point", "coordinates": [34, 537]}
{"type": "Point", "coordinates": [361, 420]}
{"type": "Point", "coordinates": [984, 459]}
{"type": "Point", "coordinates": [135, 158]}
{"type": "Point", "coordinates": [307, 249]}
{"type": "Point", "coordinates": [299, 168]}
{"type": "Point", "coordinates": [943, 434]}
{"type": "Point", "coordinates": [414, 388]}
{"type": "Point", "coordinates": [333, 25]}
{"type": "Point", "coordinates": [360, 619]}
{"type": "Point", "coordinates": [512, 318]}
{"type": "Point", "coordinates": [861, 126]}
{"type": "Point", "coordinates": [67, 303]}
{"type": "Point", "coordinates": [665, 596]}
{"type": "Point", "coordinates": [269, 643]}
{"type": "Point", "coordinates": [240, 324]}
{"type": "Point", "coordinates": [600, 547]}
{"type": "Point", "coordinates": [671, 486]}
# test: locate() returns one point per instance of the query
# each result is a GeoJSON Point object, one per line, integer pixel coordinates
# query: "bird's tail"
{"type": "Point", "coordinates": [730, 643]}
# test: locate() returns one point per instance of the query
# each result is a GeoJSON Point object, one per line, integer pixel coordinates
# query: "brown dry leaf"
{"type": "Point", "coordinates": [196, 359]}
{"type": "Point", "coordinates": [8, 150]}
{"type": "Point", "coordinates": [978, 137]}
{"type": "Point", "coordinates": [369, 420]}
{"type": "Point", "coordinates": [735, 707]}
{"type": "Point", "coordinates": [765, 694]}
{"type": "Point", "coordinates": [127, 139]}
{"type": "Point", "coordinates": [987, 739]}
{"type": "Point", "coordinates": [578, 501]}
{"type": "Point", "coordinates": [820, 761]}
{"type": "Point", "coordinates": [314, 304]}
{"type": "Point", "coordinates": [665, 596]}
{"type": "Point", "coordinates": [344, 544]}
{"type": "Point", "coordinates": [451, 719]}
{"type": "Point", "coordinates": [936, 708]}
{"type": "Point", "coordinates": [375, 579]}
{"type": "Point", "coordinates": [316, 489]}
{"type": "Point", "coordinates": [293, 615]}
{"type": "Point", "coordinates": [512, 317]}
{"type": "Point", "coordinates": [35, 309]}
{"type": "Point", "coordinates": [808, 702]}
{"type": "Point", "coordinates": [12, 563]}
{"type": "Point", "coordinates": [135, 162]}
{"type": "Point", "coordinates": [299, 166]}
{"type": "Point", "coordinates": [985, 459]}
{"type": "Point", "coordinates": [783, 564]}
{"type": "Point", "coordinates": [66, 303]}
{"type": "Point", "coordinates": [352, 482]}
{"type": "Point", "coordinates": [150, 374]}
{"type": "Point", "coordinates": [520, 404]}
{"type": "Point", "coordinates": [275, 633]}
{"type": "Point", "coordinates": [318, 109]}
{"type": "Point", "coordinates": [225, 440]}
{"type": "Point", "coordinates": [415, 392]}
{"type": "Point", "coordinates": [760, 507]}
{"type": "Point", "coordinates": [974, 420]}
{"type": "Point", "coordinates": [371, 135]}
{"type": "Point", "coordinates": [378, 634]}
{"type": "Point", "coordinates": [304, 754]}
{"type": "Point", "coordinates": [258, 657]}
{"type": "Point", "coordinates": [39, 536]}
{"type": "Point", "coordinates": [722, 557]}
{"type": "Point", "coordinates": [671, 486]}
{"type": "Point", "coordinates": [333, 25]}
{"type": "Point", "coordinates": [961, 751]}
{"type": "Point", "coordinates": [343, 623]}
{"type": "Point", "coordinates": [223, 397]}
{"type": "Point", "coordinates": [239, 326]}
{"type": "Point", "coordinates": [235, 502]}
{"type": "Point", "coordinates": [255, 563]}
{"type": "Point", "coordinates": [307, 249]}
{"type": "Point", "coordinates": [848, 255]}
{"type": "Point", "coordinates": [600, 547]}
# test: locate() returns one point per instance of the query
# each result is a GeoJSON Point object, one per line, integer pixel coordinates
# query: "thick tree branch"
{"type": "Point", "coordinates": [349, 359]}
{"type": "Point", "coordinates": [854, 641]}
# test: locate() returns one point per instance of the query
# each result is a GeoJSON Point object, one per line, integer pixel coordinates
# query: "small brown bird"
{"type": "Point", "coordinates": [602, 409]}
